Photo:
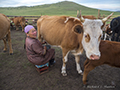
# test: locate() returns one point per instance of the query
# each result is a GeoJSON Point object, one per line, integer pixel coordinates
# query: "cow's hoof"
{"type": "Point", "coordinates": [80, 72]}
{"type": "Point", "coordinates": [85, 85]}
{"type": "Point", "coordinates": [11, 53]}
{"type": "Point", "coordinates": [64, 74]}
{"type": "Point", "coordinates": [4, 50]}
{"type": "Point", "coordinates": [85, 82]}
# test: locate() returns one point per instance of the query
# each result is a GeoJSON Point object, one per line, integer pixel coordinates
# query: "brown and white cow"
{"type": "Point", "coordinates": [5, 32]}
{"type": "Point", "coordinates": [71, 35]}
{"type": "Point", "coordinates": [107, 32]}
{"type": "Point", "coordinates": [110, 54]}
{"type": "Point", "coordinates": [19, 21]}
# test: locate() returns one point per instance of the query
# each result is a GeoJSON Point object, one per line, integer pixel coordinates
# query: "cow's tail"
{"type": "Point", "coordinates": [38, 29]}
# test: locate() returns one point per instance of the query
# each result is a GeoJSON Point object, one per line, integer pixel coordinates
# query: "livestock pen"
{"type": "Point", "coordinates": [32, 20]}
{"type": "Point", "coordinates": [17, 73]}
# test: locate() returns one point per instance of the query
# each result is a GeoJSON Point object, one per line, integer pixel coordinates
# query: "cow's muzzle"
{"type": "Point", "coordinates": [94, 57]}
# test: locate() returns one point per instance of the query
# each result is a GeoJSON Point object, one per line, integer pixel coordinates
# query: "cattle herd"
{"type": "Point", "coordinates": [76, 35]}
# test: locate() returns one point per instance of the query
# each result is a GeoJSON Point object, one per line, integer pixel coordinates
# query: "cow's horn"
{"type": "Point", "coordinates": [81, 18]}
{"type": "Point", "coordinates": [106, 18]}
{"type": "Point", "coordinates": [78, 16]}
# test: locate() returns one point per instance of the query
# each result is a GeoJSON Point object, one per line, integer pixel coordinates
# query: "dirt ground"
{"type": "Point", "coordinates": [17, 73]}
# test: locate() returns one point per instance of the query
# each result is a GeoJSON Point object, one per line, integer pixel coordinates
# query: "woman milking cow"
{"type": "Point", "coordinates": [36, 52]}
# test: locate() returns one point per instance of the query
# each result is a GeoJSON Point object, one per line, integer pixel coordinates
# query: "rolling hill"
{"type": "Point", "coordinates": [60, 8]}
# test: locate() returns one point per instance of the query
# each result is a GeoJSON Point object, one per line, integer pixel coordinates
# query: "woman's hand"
{"type": "Point", "coordinates": [44, 42]}
{"type": "Point", "coordinates": [45, 47]}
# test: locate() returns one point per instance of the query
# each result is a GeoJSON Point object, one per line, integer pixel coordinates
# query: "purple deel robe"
{"type": "Point", "coordinates": [36, 53]}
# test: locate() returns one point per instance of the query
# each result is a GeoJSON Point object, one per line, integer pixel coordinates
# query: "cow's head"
{"type": "Point", "coordinates": [92, 32]}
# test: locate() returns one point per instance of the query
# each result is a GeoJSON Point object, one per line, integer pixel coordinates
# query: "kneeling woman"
{"type": "Point", "coordinates": [36, 52]}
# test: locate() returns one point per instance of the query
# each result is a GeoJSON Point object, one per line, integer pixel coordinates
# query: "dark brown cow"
{"type": "Point", "coordinates": [5, 32]}
{"type": "Point", "coordinates": [86, 16]}
{"type": "Point", "coordinates": [19, 21]}
{"type": "Point", "coordinates": [71, 35]}
{"type": "Point", "coordinates": [89, 17]}
{"type": "Point", "coordinates": [110, 54]}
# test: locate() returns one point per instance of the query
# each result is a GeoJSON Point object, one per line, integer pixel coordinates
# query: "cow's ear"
{"type": "Point", "coordinates": [78, 29]}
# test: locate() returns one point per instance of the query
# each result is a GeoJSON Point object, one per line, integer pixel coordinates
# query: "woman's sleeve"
{"type": "Point", "coordinates": [38, 48]}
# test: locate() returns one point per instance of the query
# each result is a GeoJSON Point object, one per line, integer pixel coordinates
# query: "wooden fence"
{"type": "Point", "coordinates": [100, 16]}
{"type": "Point", "coordinates": [32, 20]}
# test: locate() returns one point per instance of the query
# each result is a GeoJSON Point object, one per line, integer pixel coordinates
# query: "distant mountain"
{"type": "Point", "coordinates": [60, 8]}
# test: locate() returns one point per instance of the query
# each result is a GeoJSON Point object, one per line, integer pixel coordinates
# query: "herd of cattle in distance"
{"type": "Point", "coordinates": [75, 35]}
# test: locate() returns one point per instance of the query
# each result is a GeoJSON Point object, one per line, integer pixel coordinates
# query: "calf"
{"type": "Point", "coordinates": [110, 54]}
{"type": "Point", "coordinates": [19, 21]}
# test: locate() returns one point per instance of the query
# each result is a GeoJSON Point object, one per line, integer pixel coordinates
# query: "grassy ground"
{"type": "Point", "coordinates": [17, 73]}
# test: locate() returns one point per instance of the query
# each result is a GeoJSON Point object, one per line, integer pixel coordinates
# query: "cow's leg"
{"type": "Point", "coordinates": [22, 25]}
{"type": "Point", "coordinates": [87, 69]}
{"type": "Point", "coordinates": [113, 36]}
{"type": "Point", "coordinates": [5, 45]}
{"type": "Point", "coordinates": [118, 34]}
{"type": "Point", "coordinates": [105, 36]}
{"type": "Point", "coordinates": [10, 45]}
{"type": "Point", "coordinates": [17, 27]}
{"type": "Point", "coordinates": [109, 38]}
{"type": "Point", "coordinates": [38, 33]}
{"type": "Point", "coordinates": [77, 59]}
{"type": "Point", "coordinates": [65, 55]}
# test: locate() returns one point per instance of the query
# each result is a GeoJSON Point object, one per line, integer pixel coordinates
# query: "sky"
{"type": "Point", "coordinates": [111, 5]}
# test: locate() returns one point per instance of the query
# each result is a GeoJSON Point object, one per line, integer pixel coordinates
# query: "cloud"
{"type": "Point", "coordinates": [7, 3]}
{"type": "Point", "coordinates": [15, 3]}
{"type": "Point", "coordinates": [111, 7]}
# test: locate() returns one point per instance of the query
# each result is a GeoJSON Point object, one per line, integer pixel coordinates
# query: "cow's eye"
{"type": "Point", "coordinates": [87, 38]}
